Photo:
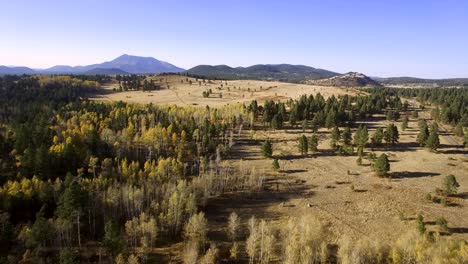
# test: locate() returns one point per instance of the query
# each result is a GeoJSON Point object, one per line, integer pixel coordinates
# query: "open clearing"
{"type": "Point", "coordinates": [189, 91]}
{"type": "Point", "coordinates": [349, 199]}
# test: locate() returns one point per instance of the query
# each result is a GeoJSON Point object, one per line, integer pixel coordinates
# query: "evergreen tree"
{"type": "Point", "coordinates": [346, 136]}
{"type": "Point", "coordinates": [450, 185]}
{"type": "Point", "coordinates": [267, 150]}
{"type": "Point", "coordinates": [41, 231]}
{"type": "Point", "coordinates": [432, 141]}
{"type": "Point", "coordinates": [303, 145]}
{"type": "Point", "coordinates": [423, 134]}
{"type": "Point", "coordinates": [404, 124]}
{"type": "Point", "coordinates": [335, 137]}
{"type": "Point", "coordinates": [391, 134]}
{"type": "Point", "coordinates": [378, 136]}
{"type": "Point", "coordinates": [112, 238]}
{"type": "Point", "coordinates": [313, 143]}
{"type": "Point", "coordinates": [382, 165]}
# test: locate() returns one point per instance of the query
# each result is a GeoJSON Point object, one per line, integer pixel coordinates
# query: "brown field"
{"type": "Point", "coordinates": [237, 91]}
{"type": "Point", "coordinates": [349, 199]}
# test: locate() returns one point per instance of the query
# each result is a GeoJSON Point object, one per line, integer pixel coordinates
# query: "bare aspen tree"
{"type": "Point", "coordinates": [196, 228]}
{"type": "Point", "coordinates": [233, 226]}
{"type": "Point", "coordinates": [211, 255]}
{"type": "Point", "coordinates": [190, 254]}
{"type": "Point", "coordinates": [251, 245]}
{"type": "Point", "coordinates": [266, 240]}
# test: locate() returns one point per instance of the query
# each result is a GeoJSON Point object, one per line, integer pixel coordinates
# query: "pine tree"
{"type": "Point", "coordinates": [432, 141]}
{"type": "Point", "coordinates": [112, 238]}
{"type": "Point", "coordinates": [423, 134]}
{"type": "Point", "coordinates": [391, 134]}
{"type": "Point", "coordinates": [313, 143]}
{"type": "Point", "coordinates": [378, 136]}
{"type": "Point", "coordinates": [382, 165]}
{"type": "Point", "coordinates": [346, 136]}
{"type": "Point", "coordinates": [267, 150]}
{"type": "Point", "coordinates": [404, 124]}
{"type": "Point", "coordinates": [303, 145]}
{"type": "Point", "coordinates": [335, 137]}
{"type": "Point", "coordinates": [41, 231]}
{"type": "Point", "coordinates": [450, 185]}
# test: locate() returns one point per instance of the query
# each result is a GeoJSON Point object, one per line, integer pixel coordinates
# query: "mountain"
{"type": "Point", "coordinates": [136, 64]}
{"type": "Point", "coordinates": [15, 70]}
{"type": "Point", "coordinates": [351, 79]}
{"type": "Point", "coordinates": [281, 72]}
{"type": "Point", "coordinates": [105, 71]}
{"type": "Point", "coordinates": [125, 64]}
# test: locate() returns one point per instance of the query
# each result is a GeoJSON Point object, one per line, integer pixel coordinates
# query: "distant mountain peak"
{"type": "Point", "coordinates": [124, 64]}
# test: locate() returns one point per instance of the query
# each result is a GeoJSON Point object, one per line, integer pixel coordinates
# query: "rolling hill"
{"type": "Point", "coordinates": [279, 72]}
{"type": "Point", "coordinates": [351, 79]}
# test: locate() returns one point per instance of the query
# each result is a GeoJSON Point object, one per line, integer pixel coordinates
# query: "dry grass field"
{"type": "Point", "coordinates": [182, 90]}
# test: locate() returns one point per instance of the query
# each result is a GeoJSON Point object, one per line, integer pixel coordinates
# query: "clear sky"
{"type": "Point", "coordinates": [378, 37]}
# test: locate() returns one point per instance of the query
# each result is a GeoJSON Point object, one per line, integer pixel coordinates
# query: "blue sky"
{"type": "Point", "coordinates": [379, 38]}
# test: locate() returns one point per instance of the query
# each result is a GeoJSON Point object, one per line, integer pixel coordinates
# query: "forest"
{"type": "Point", "coordinates": [123, 179]}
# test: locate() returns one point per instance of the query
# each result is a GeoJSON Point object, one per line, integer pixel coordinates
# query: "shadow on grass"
{"type": "Point", "coordinates": [412, 174]}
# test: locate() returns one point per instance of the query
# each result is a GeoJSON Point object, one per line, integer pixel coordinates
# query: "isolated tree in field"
{"type": "Point", "coordinates": [450, 185]}
{"type": "Point", "coordinates": [360, 138]}
{"type": "Point", "coordinates": [335, 137]}
{"type": "Point", "coordinates": [233, 226]}
{"type": "Point", "coordinates": [313, 143]}
{"type": "Point", "coordinates": [275, 165]}
{"type": "Point", "coordinates": [423, 134]}
{"type": "Point", "coordinates": [267, 150]}
{"type": "Point", "coordinates": [391, 134]}
{"type": "Point", "coordinates": [377, 137]}
{"type": "Point", "coordinates": [303, 145]}
{"type": "Point", "coordinates": [404, 124]}
{"type": "Point", "coordinates": [382, 165]}
{"type": "Point", "coordinates": [433, 141]}
{"type": "Point", "coordinates": [346, 136]}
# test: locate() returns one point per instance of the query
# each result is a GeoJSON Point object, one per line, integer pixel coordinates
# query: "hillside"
{"type": "Point", "coordinates": [419, 81]}
{"type": "Point", "coordinates": [279, 72]}
{"type": "Point", "coordinates": [105, 71]}
{"type": "Point", "coordinates": [351, 79]}
{"type": "Point", "coordinates": [15, 70]}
